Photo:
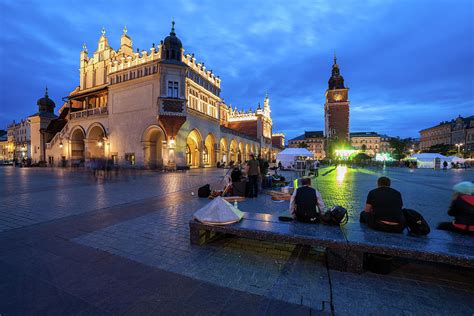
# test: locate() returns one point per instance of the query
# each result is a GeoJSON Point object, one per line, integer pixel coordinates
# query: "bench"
{"type": "Point", "coordinates": [267, 227]}
{"type": "Point", "coordinates": [347, 245]}
{"type": "Point", "coordinates": [439, 246]}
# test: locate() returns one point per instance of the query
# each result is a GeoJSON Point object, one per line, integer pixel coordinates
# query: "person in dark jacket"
{"type": "Point", "coordinates": [462, 209]}
{"type": "Point", "coordinates": [383, 208]}
{"type": "Point", "coordinates": [306, 204]}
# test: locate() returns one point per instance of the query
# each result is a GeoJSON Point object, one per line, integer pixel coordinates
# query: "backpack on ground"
{"type": "Point", "coordinates": [337, 215]}
{"type": "Point", "coordinates": [204, 191]}
{"type": "Point", "coordinates": [416, 224]}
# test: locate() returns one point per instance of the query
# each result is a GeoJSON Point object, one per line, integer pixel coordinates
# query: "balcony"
{"type": "Point", "coordinates": [89, 112]}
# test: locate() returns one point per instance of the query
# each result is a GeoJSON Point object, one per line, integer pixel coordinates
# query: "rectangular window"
{"type": "Point", "coordinates": [175, 90]}
{"type": "Point", "coordinates": [170, 89]}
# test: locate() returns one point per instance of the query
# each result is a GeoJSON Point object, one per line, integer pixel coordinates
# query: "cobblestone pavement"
{"type": "Point", "coordinates": [126, 226]}
{"type": "Point", "coordinates": [31, 196]}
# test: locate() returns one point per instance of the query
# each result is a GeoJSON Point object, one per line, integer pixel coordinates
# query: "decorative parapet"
{"type": "Point", "coordinates": [89, 112]}
{"type": "Point", "coordinates": [190, 61]}
{"type": "Point", "coordinates": [138, 58]}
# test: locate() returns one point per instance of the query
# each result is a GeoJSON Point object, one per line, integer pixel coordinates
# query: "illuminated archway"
{"type": "Point", "coordinates": [247, 151]}
{"type": "Point", "coordinates": [194, 142]}
{"type": "Point", "coordinates": [240, 153]}
{"type": "Point", "coordinates": [152, 140]}
{"type": "Point", "coordinates": [77, 144]}
{"type": "Point", "coordinates": [209, 153]}
{"type": "Point", "coordinates": [223, 150]}
{"type": "Point", "coordinates": [233, 151]}
{"type": "Point", "coordinates": [96, 141]}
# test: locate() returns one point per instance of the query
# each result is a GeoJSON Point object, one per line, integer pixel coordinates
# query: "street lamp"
{"type": "Point", "coordinates": [459, 147]}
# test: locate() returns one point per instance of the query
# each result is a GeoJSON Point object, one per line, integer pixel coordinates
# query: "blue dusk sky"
{"type": "Point", "coordinates": [409, 64]}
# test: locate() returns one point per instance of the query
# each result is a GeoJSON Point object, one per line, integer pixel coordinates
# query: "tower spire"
{"type": "Point", "coordinates": [103, 31]}
{"type": "Point", "coordinates": [84, 47]}
{"type": "Point", "coordinates": [46, 92]}
{"type": "Point", "coordinates": [335, 58]}
{"type": "Point", "coordinates": [125, 30]}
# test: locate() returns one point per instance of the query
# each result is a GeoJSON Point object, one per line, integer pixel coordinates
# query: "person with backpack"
{"type": "Point", "coordinates": [462, 208]}
{"type": "Point", "coordinates": [306, 204]}
{"type": "Point", "coordinates": [383, 209]}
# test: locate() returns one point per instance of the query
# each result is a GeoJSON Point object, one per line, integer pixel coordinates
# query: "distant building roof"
{"type": "Point", "coordinates": [313, 134]}
{"type": "Point", "coordinates": [309, 134]}
{"type": "Point", "coordinates": [300, 137]}
{"type": "Point", "coordinates": [365, 134]}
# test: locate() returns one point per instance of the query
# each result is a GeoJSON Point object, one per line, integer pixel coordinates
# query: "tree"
{"type": "Point", "coordinates": [400, 147]}
{"type": "Point", "coordinates": [443, 149]}
{"type": "Point", "coordinates": [364, 147]}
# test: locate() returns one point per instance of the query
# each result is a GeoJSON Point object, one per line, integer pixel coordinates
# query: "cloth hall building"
{"type": "Point", "coordinates": [153, 109]}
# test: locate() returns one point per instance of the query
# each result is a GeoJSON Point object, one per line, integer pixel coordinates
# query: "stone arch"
{"type": "Point", "coordinates": [96, 141]}
{"type": "Point", "coordinates": [152, 139]}
{"type": "Point", "coordinates": [194, 149]}
{"type": "Point", "coordinates": [209, 150]}
{"type": "Point", "coordinates": [233, 150]}
{"type": "Point", "coordinates": [240, 153]}
{"type": "Point", "coordinates": [77, 140]}
{"type": "Point", "coordinates": [223, 150]}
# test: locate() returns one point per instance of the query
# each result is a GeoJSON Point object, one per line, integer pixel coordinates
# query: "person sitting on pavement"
{"type": "Point", "coordinates": [383, 209]}
{"type": "Point", "coordinates": [462, 208]}
{"type": "Point", "coordinates": [236, 174]}
{"type": "Point", "coordinates": [306, 204]}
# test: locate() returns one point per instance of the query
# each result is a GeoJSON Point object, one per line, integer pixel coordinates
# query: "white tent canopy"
{"type": "Point", "coordinates": [428, 160]}
{"type": "Point", "coordinates": [289, 155]}
{"type": "Point", "coordinates": [456, 159]}
{"type": "Point", "coordinates": [218, 212]}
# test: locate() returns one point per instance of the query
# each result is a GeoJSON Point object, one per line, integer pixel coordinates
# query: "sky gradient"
{"type": "Point", "coordinates": [408, 64]}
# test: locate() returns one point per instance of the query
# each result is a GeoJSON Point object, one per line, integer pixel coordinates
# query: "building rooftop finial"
{"type": "Point", "coordinates": [103, 31]}
{"type": "Point", "coordinates": [125, 30]}
{"type": "Point", "coordinates": [335, 58]}
{"type": "Point", "coordinates": [172, 27]}
{"type": "Point", "coordinates": [46, 92]}
{"type": "Point", "coordinates": [84, 47]}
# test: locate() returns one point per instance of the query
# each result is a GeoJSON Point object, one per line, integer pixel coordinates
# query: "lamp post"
{"type": "Point", "coordinates": [459, 147]}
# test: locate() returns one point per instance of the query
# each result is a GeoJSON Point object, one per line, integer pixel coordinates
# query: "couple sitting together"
{"type": "Point", "coordinates": [384, 207]}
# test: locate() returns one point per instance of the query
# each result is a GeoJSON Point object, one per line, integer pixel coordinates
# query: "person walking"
{"type": "Point", "coordinates": [253, 171]}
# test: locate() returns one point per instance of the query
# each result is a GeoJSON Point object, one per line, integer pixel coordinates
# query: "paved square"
{"type": "Point", "coordinates": [138, 221]}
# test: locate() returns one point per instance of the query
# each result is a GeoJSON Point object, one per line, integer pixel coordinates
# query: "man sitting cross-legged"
{"type": "Point", "coordinates": [383, 209]}
{"type": "Point", "coordinates": [306, 203]}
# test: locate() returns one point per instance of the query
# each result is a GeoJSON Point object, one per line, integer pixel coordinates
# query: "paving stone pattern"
{"type": "Point", "coordinates": [31, 196]}
{"type": "Point", "coordinates": [73, 245]}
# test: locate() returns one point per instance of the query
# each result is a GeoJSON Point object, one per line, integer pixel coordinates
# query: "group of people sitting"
{"type": "Point", "coordinates": [384, 207]}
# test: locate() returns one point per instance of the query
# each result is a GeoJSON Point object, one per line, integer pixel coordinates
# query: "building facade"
{"type": "Point", "coordinates": [313, 141]}
{"type": "Point", "coordinates": [19, 139]}
{"type": "Point", "coordinates": [369, 143]}
{"type": "Point", "coordinates": [457, 132]}
{"type": "Point", "coordinates": [153, 109]}
{"type": "Point", "coordinates": [336, 108]}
